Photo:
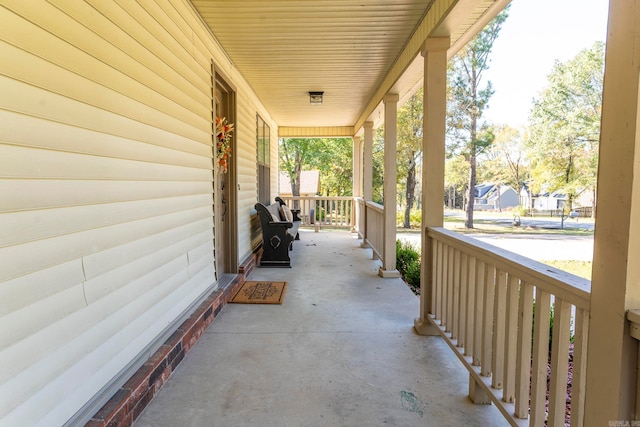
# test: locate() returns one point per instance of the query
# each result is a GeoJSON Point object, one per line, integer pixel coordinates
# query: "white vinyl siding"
{"type": "Point", "coordinates": [106, 220]}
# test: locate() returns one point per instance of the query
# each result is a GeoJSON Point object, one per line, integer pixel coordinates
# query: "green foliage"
{"type": "Point", "coordinates": [378, 165]}
{"type": "Point", "coordinates": [415, 217]}
{"type": "Point", "coordinates": [551, 321]}
{"type": "Point", "coordinates": [409, 151]}
{"type": "Point", "coordinates": [331, 156]}
{"type": "Point", "coordinates": [505, 161]}
{"type": "Point", "coordinates": [520, 210]}
{"type": "Point", "coordinates": [412, 277]}
{"type": "Point", "coordinates": [565, 125]}
{"type": "Point", "coordinates": [408, 264]}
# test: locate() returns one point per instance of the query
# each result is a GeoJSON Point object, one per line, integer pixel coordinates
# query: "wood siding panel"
{"type": "Point", "coordinates": [105, 177]}
{"type": "Point", "coordinates": [26, 226]}
{"type": "Point", "coordinates": [29, 194]}
{"type": "Point", "coordinates": [32, 101]}
{"type": "Point", "coordinates": [106, 218]}
{"type": "Point", "coordinates": [33, 163]}
{"type": "Point", "coordinates": [57, 136]}
{"type": "Point", "coordinates": [26, 290]}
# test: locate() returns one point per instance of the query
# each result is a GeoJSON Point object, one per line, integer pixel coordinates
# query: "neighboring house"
{"type": "Point", "coordinates": [309, 183]}
{"type": "Point", "coordinates": [494, 197]}
{"type": "Point", "coordinates": [549, 201]}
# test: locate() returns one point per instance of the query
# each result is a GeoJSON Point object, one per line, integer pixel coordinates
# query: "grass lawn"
{"type": "Point", "coordinates": [579, 268]}
{"type": "Point", "coordinates": [487, 226]}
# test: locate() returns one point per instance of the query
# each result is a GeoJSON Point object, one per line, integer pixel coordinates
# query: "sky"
{"type": "Point", "coordinates": [534, 36]}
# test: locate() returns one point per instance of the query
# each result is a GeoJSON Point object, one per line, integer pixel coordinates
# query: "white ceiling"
{"type": "Point", "coordinates": [346, 48]}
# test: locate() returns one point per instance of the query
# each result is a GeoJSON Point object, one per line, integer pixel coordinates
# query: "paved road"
{"type": "Point", "coordinates": [540, 247]}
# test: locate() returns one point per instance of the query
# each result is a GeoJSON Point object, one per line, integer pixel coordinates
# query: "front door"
{"type": "Point", "coordinates": [224, 196]}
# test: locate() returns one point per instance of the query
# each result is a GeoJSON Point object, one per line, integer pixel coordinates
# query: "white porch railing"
{"type": "Point", "coordinates": [374, 227]}
{"type": "Point", "coordinates": [323, 210]}
{"type": "Point", "coordinates": [484, 301]}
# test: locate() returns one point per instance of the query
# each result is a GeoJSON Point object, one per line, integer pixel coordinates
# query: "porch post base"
{"type": "Point", "coordinates": [364, 244]}
{"type": "Point", "coordinates": [388, 274]}
{"type": "Point", "coordinates": [477, 394]}
{"type": "Point", "coordinates": [424, 327]}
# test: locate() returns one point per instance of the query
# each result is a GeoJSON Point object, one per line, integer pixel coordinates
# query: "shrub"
{"type": "Point", "coordinates": [415, 217]}
{"type": "Point", "coordinates": [408, 264]}
{"type": "Point", "coordinates": [412, 277]}
{"type": "Point", "coordinates": [406, 255]}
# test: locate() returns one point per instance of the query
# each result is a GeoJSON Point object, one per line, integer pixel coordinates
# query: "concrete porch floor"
{"type": "Point", "coordinates": [340, 351]}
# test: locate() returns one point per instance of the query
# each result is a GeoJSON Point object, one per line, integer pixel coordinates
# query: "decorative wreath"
{"type": "Point", "coordinates": [223, 142]}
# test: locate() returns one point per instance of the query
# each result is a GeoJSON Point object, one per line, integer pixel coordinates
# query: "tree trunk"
{"type": "Point", "coordinates": [295, 181]}
{"type": "Point", "coordinates": [410, 193]}
{"type": "Point", "coordinates": [472, 172]}
{"type": "Point", "coordinates": [468, 223]}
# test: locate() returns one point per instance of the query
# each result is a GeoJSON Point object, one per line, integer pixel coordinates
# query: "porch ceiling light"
{"type": "Point", "coordinates": [315, 98]}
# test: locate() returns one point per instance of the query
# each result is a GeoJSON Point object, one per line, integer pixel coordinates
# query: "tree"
{"type": "Point", "coordinates": [565, 125]}
{"type": "Point", "coordinates": [409, 149]}
{"type": "Point", "coordinates": [294, 154]}
{"type": "Point", "coordinates": [456, 176]}
{"type": "Point", "coordinates": [469, 136]}
{"type": "Point", "coordinates": [506, 159]}
{"type": "Point", "coordinates": [378, 165]}
{"type": "Point", "coordinates": [331, 156]}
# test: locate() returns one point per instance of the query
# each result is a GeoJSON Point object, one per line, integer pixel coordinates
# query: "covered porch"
{"type": "Point", "coordinates": [118, 224]}
{"type": "Point", "coordinates": [341, 350]}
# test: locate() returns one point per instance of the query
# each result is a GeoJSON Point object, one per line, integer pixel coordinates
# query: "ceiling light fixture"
{"type": "Point", "coordinates": [315, 98]}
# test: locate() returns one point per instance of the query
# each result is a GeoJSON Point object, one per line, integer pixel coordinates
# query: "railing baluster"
{"type": "Point", "coordinates": [499, 326]}
{"type": "Point", "coordinates": [434, 277]}
{"type": "Point", "coordinates": [470, 308]}
{"type": "Point", "coordinates": [479, 313]}
{"type": "Point", "coordinates": [579, 373]}
{"type": "Point", "coordinates": [511, 339]}
{"type": "Point", "coordinates": [440, 284]}
{"type": "Point", "coordinates": [559, 362]}
{"type": "Point", "coordinates": [540, 357]}
{"type": "Point", "coordinates": [444, 278]}
{"type": "Point", "coordinates": [455, 312]}
{"type": "Point", "coordinates": [523, 356]}
{"type": "Point", "coordinates": [487, 321]}
{"type": "Point", "coordinates": [448, 307]}
{"type": "Point", "coordinates": [464, 283]}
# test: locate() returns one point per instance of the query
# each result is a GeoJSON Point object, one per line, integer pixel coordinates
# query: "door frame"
{"type": "Point", "coordinates": [230, 223]}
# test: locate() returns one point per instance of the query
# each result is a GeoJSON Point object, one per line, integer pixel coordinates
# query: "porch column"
{"type": "Point", "coordinates": [615, 287]}
{"type": "Point", "coordinates": [356, 180]}
{"type": "Point", "coordinates": [367, 175]}
{"type": "Point", "coordinates": [389, 188]}
{"type": "Point", "coordinates": [357, 167]}
{"type": "Point", "coordinates": [433, 146]}
{"type": "Point", "coordinates": [367, 162]}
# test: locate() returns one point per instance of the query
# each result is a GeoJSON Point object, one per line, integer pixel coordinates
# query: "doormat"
{"type": "Point", "coordinates": [261, 293]}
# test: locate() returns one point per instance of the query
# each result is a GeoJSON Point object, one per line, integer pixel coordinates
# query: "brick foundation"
{"type": "Point", "coordinates": [128, 403]}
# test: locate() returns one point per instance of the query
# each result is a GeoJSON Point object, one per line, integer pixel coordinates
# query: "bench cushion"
{"type": "Point", "coordinates": [274, 211]}
{"type": "Point", "coordinates": [286, 214]}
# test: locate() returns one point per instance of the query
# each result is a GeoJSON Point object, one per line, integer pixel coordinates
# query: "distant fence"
{"type": "Point", "coordinates": [583, 212]}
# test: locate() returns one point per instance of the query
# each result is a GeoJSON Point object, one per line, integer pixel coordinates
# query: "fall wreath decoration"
{"type": "Point", "coordinates": [223, 142]}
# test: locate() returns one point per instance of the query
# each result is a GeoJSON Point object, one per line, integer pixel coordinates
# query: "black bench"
{"type": "Point", "coordinates": [277, 235]}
